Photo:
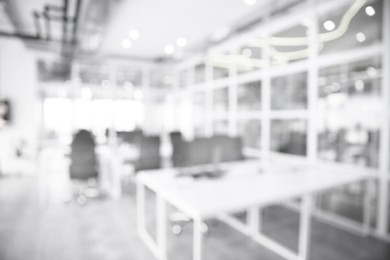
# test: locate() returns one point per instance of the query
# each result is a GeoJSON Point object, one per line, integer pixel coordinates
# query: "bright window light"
{"type": "Point", "coordinates": [370, 11]}
{"type": "Point", "coordinates": [329, 25]}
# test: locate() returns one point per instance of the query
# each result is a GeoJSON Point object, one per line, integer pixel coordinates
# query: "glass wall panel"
{"type": "Point", "coordinates": [351, 87]}
{"type": "Point", "coordinates": [351, 26]}
{"type": "Point", "coordinates": [220, 64]}
{"type": "Point", "coordinates": [221, 127]}
{"type": "Point", "coordinates": [221, 100]}
{"type": "Point", "coordinates": [249, 58]}
{"type": "Point", "coordinates": [199, 113]}
{"type": "Point", "coordinates": [200, 74]}
{"type": "Point", "coordinates": [183, 79]}
{"type": "Point", "coordinates": [250, 132]}
{"type": "Point", "coordinates": [127, 76]}
{"type": "Point", "coordinates": [289, 136]}
{"type": "Point", "coordinates": [289, 92]}
{"type": "Point", "coordinates": [249, 96]}
{"type": "Point", "coordinates": [288, 47]}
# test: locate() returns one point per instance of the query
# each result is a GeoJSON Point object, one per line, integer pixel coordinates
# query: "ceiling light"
{"type": "Point", "coordinates": [359, 85]}
{"type": "Point", "coordinates": [169, 49]}
{"type": "Point", "coordinates": [247, 52]}
{"type": "Point", "coordinates": [372, 72]}
{"type": "Point", "coordinates": [250, 2]}
{"type": "Point", "coordinates": [134, 34]}
{"type": "Point", "coordinates": [329, 25]}
{"type": "Point", "coordinates": [181, 42]}
{"type": "Point", "coordinates": [126, 44]}
{"type": "Point", "coordinates": [360, 37]}
{"type": "Point", "coordinates": [105, 83]}
{"type": "Point", "coordinates": [128, 85]}
{"type": "Point", "coordinates": [370, 11]}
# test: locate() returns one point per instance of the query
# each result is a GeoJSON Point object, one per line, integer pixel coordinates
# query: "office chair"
{"type": "Point", "coordinates": [83, 166]}
{"type": "Point", "coordinates": [149, 153]}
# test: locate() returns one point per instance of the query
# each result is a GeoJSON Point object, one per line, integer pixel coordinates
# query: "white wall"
{"type": "Point", "coordinates": [18, 83]}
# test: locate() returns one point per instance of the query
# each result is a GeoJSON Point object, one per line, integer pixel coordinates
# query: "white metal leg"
{"type": "Point", "coordinates": [197, 240]}
{"type": "Point", "coordinates": [367, 207]}
{"type": "Point", "coordinates": [162, 227]}
{"type": "Point", "coordinates": [254, 219]}
{"type": "Point", "coordinates": [140, 207]}
{"type": "Point", "coordinates": [304, 229]}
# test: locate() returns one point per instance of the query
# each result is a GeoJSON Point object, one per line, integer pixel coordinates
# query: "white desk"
{"type": "Point", "coordinates": [247, 185]}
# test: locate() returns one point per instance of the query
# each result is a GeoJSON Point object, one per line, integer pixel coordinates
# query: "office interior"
{"type": "Point", "coordinates": [120, 121]}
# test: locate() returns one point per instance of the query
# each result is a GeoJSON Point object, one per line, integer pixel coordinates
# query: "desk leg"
{"type": "Point", "coordinates": [367, 207]}
{"type": "Point", "coordinates": [197, 240]}
{"type": "Point", "coordinates": [304, 229]}
{"type": "Point", "coordinates": [162, 227]}
{"type": "Point", "coordinates": [140, 207]}
{"type": "Point", "coordinates": [254, 219]}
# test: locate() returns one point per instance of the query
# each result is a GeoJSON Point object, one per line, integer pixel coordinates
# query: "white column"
{"type": "Point", "coordinates": [197, 248]}
{"type": "Point", "coordinates": [305, 226]}
{"type": "Point", "coordinates": [232, 97]}
{"type": "Point", "coordinates": [384, 157]}
{"type": "Point", "coordinates": [266, 104]}
{"type": "Point", "coordinates": [312, 85]}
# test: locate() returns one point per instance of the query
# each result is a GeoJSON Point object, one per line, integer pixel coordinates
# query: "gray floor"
{"type": "Point", "coordinates": [106, 229]}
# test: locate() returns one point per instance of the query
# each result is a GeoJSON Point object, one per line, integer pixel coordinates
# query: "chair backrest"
{"type": "Point", "coordinates": [149, 153]}
{"type": "Point", "coordinates": [83, 157]}
{"type": "Point", "coordinates": [229, 148]}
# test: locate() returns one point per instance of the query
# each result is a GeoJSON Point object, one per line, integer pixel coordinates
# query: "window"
{"type": "Point", "coordinates": [289, 92]}
{"type": "Point", "coordinates": [249, 96]}
{"type": "Point", "coordinates": [288, 136]}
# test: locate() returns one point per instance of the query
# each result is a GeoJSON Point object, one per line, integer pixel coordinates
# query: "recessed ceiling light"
{"type": "Point", "coordinates": [126, 43]}
{"type": "Point", "coordinates": [370, 11]}
{"type": "Point", "coordinates": [247, 52]}
{"type": "Point", "coordinates": [360, 37]}
{"type": "Point", "coordinates": [372, 71]}
{"type": "Point", "coordinates": [359, 85]}
{"type": "Point", "coordinates": [329, 25]}
{"type": "Point", "coordinates": [169, 49]}
{"type": "Point", "coordinates": [134, 34]}
{"type": "Point", "coordinates": [105, 83]}
{"type": "Point", "coordinates": [250, 2]}
{"type": "Point", "coordinates": [128, 85]}
{"type": "Point", "coordinates": [181, 42]}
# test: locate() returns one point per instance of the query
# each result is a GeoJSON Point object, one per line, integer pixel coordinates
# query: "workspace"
{"type": "Point", "coordinates": [180, 129]}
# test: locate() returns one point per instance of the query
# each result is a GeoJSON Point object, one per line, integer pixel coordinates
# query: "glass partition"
{"type": "Point", "coordinates": [289, 136]}
{"type": "Point", "coordinates": [250, 132]}
{"type": "Point", "coordinates": [221, 100]}
{"type": "Point", "coordinates": [289, 92]}
{"type": "Point", "coordinates": [249, 96]}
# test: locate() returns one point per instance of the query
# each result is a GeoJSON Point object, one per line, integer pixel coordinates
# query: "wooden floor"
{"type": "Point", "coordinates": [106, 230]}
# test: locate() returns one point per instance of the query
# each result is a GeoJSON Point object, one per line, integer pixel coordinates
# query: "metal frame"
{"type": "Point", "coordinates": [311, 65]}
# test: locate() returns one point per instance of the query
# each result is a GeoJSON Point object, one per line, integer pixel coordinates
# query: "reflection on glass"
{"type": "Point", "coordinates": [94, 74]}
{"type": "Point", "coordinates": [220, 63]}
{"type": "Point", "coordinates": [220, 72]}
{"type": "Point", "coordinates": [362, 29]}
{"type": "Point", "coordinates": [250, 131]}
{"type": "Point", "coordinates": [283, 48]}
{"type": "Point", "coordinates": [351, 139]}
{"type": "Point", "coordinates": [249, 58]}
{"type": "Point", "coordinates": [249, 96]}
{"type": "Point", "coordinates": [199, 112]}
{"type": "Point", "coordinates": [221, 100]}
{"type": "Point", "coordinates": [126, 76]}
{"type": "Point", "coordinates": [183, 79]}
{"type": "Point", "coordinates": [221, 127]}
{"type": "Point", "coordinates": [289, 92]}
{"type": "Point", "coordinates": [351, 87]}
{"type": "Point", "coordinates": [200, 74]}
{"type": "Point", "coordinates": [288, 136]}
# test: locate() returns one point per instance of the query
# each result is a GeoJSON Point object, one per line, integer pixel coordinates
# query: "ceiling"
{"type": "Point", "coordinates": [161, 22]}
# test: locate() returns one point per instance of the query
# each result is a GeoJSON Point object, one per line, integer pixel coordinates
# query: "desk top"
{"type": "Point", "coordinates": [246, 184]}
